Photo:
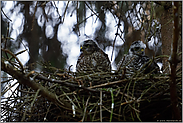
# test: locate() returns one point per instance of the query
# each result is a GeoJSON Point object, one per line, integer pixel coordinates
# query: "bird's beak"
{"type": "Point", "coordinates": [142, 50]}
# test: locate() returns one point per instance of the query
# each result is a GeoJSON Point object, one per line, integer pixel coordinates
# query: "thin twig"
{"type": "Point", "coordinates": [93, 11]}
{"type": "Point", "coordinates": [5, 15]}
{"type": "Point", "coordinates": [13, 55]}
{"type": "Point", "coordinates": [85, 109]}
{"type": "Point", "coordinates": [43, 91]}
{"type": "Point", "coordinates": [33, 101]}
{"type": "Point", "coordinates": [100, 106]}
{"type": "Point", "coordinates": [65, 11]}
{"type": "Point", "coordinates": [35, 10]}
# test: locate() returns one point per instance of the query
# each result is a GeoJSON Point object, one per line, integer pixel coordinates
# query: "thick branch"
{"type": "Point", "coordinates": [173, 64]}
{"type": "Point", "coordinates": [35, 86]}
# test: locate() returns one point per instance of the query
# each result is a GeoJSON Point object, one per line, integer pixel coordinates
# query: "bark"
{"type": "Point", "coordinates": [173, 64]}
{"type": "Point", "coordinates": [166, 33]}
{"type": "Point", "coordinates": [21, 77]}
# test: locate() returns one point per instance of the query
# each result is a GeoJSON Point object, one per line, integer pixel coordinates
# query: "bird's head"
{"type": "Point", "coordinates": [88, 47]}
{"type": "Point", "coordinates": [137, 48]}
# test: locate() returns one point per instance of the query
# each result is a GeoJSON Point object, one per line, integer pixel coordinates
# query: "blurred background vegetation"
{"type": "Point", "coordinates": [36, 26]}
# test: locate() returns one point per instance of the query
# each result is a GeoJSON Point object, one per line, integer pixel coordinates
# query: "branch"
{"type": "Point", "coordinates": [13, 55]}
{"type": "Point", "coordinates": [35, 86]}
{"type": "Point", "coordinates": [67, 84]}
{"type": "Point", "coordinates": [5, 15]}
{"type": "Point", "coordinates": [173, 64]}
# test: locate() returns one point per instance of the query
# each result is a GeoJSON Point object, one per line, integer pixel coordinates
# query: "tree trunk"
{"type": "Point", "coordinates": [166, 34]}
{"type": "Point", "coordinates": [173, 64]}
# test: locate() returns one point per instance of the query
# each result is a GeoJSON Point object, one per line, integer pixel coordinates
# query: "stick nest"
{"type": "Point", "coordinates": [90, 97]}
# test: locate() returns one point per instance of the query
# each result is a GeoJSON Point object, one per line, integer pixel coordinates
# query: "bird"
{"type": "Point", "coordinates": [136, 60]}
{"type": "Point", "coordinates": [92, 58]}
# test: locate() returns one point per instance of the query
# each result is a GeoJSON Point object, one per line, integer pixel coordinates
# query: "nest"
{"type": "Point", "coordinates": [101, 96]}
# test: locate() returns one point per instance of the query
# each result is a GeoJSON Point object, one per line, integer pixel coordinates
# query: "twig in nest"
{"type": "Point", "coordinates": [35, 86]}
{"type": "Point", "coordinates": [85, 109]}
{"type": "Point", "coordinates": [34, 99]}
{"type": "Point", "coordinates": [100, 106]}
{"type": "Point", "coordinates": [13, 55]}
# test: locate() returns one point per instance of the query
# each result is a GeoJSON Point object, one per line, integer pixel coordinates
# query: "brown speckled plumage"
{"type": "Point", "coordinates": [92, 59]}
